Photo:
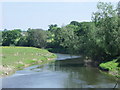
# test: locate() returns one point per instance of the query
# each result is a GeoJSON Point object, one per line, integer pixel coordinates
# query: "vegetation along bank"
{"type": "Point", "coordinates": [113, 67]}
{"type": "Point", "coordinates": [98, 40]}
{"type": "Point", "coordinates": [16, 58]}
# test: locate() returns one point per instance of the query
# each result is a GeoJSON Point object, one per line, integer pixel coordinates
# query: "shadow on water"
{"type": "Point", "coordinates": [69, 73]}
{"type": "Point", "coordinates": [75, 76]}
{"type": "Point", "coordinates": [80, 75]}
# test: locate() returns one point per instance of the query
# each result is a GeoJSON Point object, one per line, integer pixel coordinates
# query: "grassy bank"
{"type": "Point", "coordinates": [112, 66]}
{"type": "Point", "coordinates": [15, 58]}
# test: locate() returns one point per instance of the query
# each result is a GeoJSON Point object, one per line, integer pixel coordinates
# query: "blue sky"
{"type": "Point", "coordinates": [24, 15]}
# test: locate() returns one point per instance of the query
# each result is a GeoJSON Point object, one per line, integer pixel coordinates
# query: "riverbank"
{"type": "Point", "coordinates": [112, 67]}
{"type": "Point", "coordinates": [58, 50]}
{"type": "Point", "coordinates": [70, 73]}
{"type": "Point", "coordinates": [16, 58]}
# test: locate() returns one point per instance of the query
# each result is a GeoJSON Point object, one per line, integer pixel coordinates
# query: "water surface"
{"type": "Point", "coordinates": [70, 73]}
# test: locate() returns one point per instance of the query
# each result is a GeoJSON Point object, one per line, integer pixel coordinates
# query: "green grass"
{"type": "Point", "coordinates": [20, 57]}
{"type": "Point", "coordinates": [112, 66]}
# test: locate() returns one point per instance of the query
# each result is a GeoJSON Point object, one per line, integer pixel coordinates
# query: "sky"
{"type": "Point", "coordinates": [24, 15]}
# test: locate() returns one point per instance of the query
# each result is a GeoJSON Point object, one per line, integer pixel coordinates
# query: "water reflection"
{"type": "Point", "coordinates": [69, 73]}
{"type": "Point", "coordinates": [81, 76]}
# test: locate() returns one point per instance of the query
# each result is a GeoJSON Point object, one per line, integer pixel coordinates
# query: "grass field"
{"type": "Point", "coordinates": [15, 58]}
{"type": "Point", "coordinates": [112, 66]}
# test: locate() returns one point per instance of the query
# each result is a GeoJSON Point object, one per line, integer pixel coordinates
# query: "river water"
{"type": "Point", "coordinates": [63, 73]}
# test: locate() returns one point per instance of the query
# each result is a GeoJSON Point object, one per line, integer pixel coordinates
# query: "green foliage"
{"type": "Point", "coordinates": [52, 27]}
{"type": "Point", "coordinates": [86, 38]}
{"type": "Point", "coordinates": [0, 38]}
{"type": "Point", "coordinates": [22, 41]}
{"type": "Point", "coordinates": [98, 40]}
{"type": "Point", "coordinates": [112, 66]}
{"type": "Point", "coordinates": [75, 23]}
{"type": "Point", "coordinates": [66, 38]}
{"type": "Point", "coordinates": [107, 30]}
{"type": "Point", "coordinates": [10, 37]}
{"type": "Point", "coordinates": [37, 38]}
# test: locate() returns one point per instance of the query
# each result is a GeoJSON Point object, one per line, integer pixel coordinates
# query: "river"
{"type": "Point", "coordinates": [63, 73]}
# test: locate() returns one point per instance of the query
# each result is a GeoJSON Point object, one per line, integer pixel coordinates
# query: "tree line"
{"type": "Point", "coordinates": [98, 39]}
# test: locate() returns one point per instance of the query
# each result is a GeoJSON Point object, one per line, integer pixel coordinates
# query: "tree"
{"type": "Point", "coordinates": [107, 30]}
{"type": "Point", "coordinates": [22, 41]}
{"type": "Point", "coordinates": [11, 37]}
{"type": "Point", "coordinates": [118, 8]}
{"type": "Point", "coordinates": [37, 38]}
{"type": "Point", "coordinates": [66, 38]}
{"type": "Point", "coordinates": [75, 23]}
{"type": "Point", "coordinates": [0, 38]}
{"type": "Point", "coordinates": [52, 27]}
